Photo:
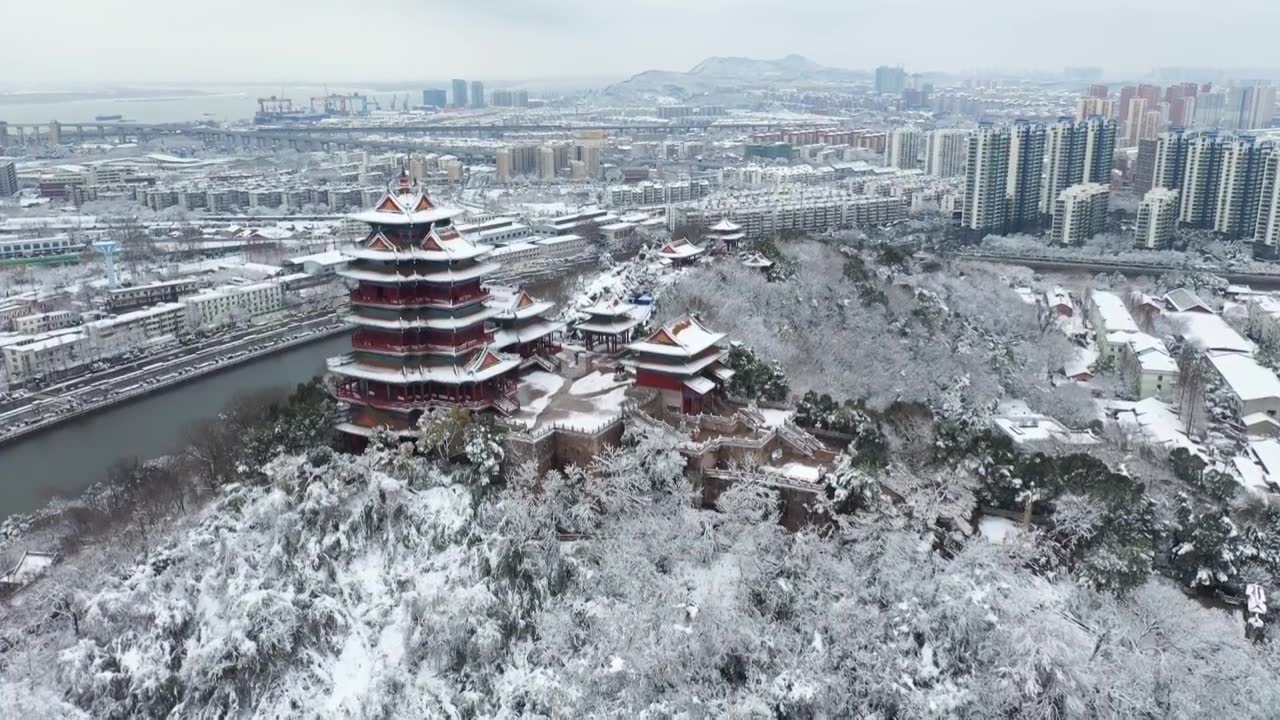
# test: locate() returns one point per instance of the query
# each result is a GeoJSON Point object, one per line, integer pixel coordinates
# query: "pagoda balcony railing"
{"type": "Point", "coordinates": [404, 346]}
{"type": "Point", "coordinates": [416, 299]}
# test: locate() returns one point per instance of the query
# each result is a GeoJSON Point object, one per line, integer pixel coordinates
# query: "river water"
{"type": "Point", "coordinates": [68, 458]}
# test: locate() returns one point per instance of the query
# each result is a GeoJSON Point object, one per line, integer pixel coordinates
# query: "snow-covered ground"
{"type": "Point", "coordinates": [589, 403]}
{"type": "Point", "coordinates": [594, 383]}
{"type": "Point", "coordinates": [774, 417]}
{"type": "Point", "coordinates": [998, 529]}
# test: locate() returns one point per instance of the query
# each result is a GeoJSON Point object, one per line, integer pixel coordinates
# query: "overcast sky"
{"type": "Point", "coordinates": [335, 41]}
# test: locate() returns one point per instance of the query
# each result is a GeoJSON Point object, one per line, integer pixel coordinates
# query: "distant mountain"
{"type": "Point", "coordinates": [721, 74]}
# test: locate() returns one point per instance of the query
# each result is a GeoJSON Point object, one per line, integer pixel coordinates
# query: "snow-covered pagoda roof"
{"type": "Point", "coordinates": [410, 322]}
{"type": "Point", "coordinates": [726, 226]}
{"type": "Point", "coordinates": [756, 260]}
{"type": "Point", "coordinates": [406, 204]}
{"type": "Point", "coordinates": [685, 337]}
{"type": "Point", "coordinates": [680, 249]}
{"type": "Point", "coordinates": [450, 275]}
{"type": "Point", "coordinates": [519, 306]}
{"type": "Point", "coordinates": [439, 245]}
{"type": "Point", "coordinates": [611, 307]}
{"type": "Point", "coordinates": [506, 337]}
{"type": "Point", "coordinates": [483, 364]}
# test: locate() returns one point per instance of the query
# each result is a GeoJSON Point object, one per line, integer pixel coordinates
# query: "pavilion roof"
{"type": "Point", "coordinates": [686, 337]}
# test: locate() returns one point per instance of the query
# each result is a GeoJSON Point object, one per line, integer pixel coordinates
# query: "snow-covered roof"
{"type": "Point", "coordinates": [1267, 453]}
{"type": "Point", "coordinates": [700, 385]}
{"type": "Point", "coordinates": [1112, 313]}
{"type": "Point", "coordinates": [1183, 300]}
{"type": "Point", "coordinates": [610, 307]}
{"type": "Point", "coordinates": [680, 249]}
{"type": "Point", "coordinates": [506, 337]}
{"type": "Point", "coordinates": [726, 226]}
{"type": "Point", "coordinates": [1247, 379]}
{"type": "Point", "coordinates": [519, 305]}
{"type": "Point", "coordinates": [686, 337]}
{"type": "Point", "coordinates": [438, 245]}
{"type": "Point", "coordinates": [409, 322]}
{"type": "Point", "coordinates": [756, 260]}
{"type": "Point", "coordinates": [1211, 333]}
{"type": "Point", "coordinates": [481, 365]}
{"type": "Point", "coordinates": [1057, 296]}
{"type": "Point", "coordinates": [406, 205]}
{"type": "Point", "coordinates": [449, 275]}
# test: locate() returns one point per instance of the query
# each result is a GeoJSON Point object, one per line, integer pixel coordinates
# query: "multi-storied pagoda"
{"type": "Point", "coordinates": [523, 326]}
{"type": "Point", "coordinates": [682, 362]}
{"type": "Point", "coordinates": [725, 236]}
{"type": "Point", "coordinates": [611, 323]}
{"type": "Point", "coordinates": [419, 312]}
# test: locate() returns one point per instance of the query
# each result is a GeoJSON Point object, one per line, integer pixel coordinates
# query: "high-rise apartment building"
{"type": "Point", "coordinates": [1250, 106]}
{"type": "Point", "coordinates": [1222, 183]}
{"type": "Point", "coordinates": [477, 94]}
{"type": "Point", "coordinates": [1266, 237]}
{"type": "Point", "coordinates": [503, 162]}
{"type": "Point", "coordinates": [986, 179]}
{"type": "Point", "coordinates": [1137, 112]}
{"type": "Point", "coordinates": [1087, 107]}
{"type": "Point", "coordinates": [1200, 180]}
{"type": "Point", "coordinates": [1076, 153]}
{"type": "Point", "coordinates": [945, 152]}
{"type": "Point", "coordinates": [1170, 161]}
{"type": "Point", "coordinates": [8, 179]}
{"type": "Point", "coordinates": [1145, 166]}
{"type": "Point", "coordinates": [905, 146]}
{"type": "Point", "coordinates": [1157, 219]}
{"type": "Point", "coordinates": [1079, 213]}
{"type": "Point", "coordinates": [1239, 188]}
{"type": "Point", "coordinates": [890, 80]}
{"type": "Point", "coordinates": [435, 98]}
{"type": "Point", "coordinates": [1026, 164]}
{"type": "Point", "coordinates": [459, 93]}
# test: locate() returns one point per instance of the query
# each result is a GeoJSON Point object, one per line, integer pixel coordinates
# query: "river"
{"type": "Point", "coordinates": [69, 457]}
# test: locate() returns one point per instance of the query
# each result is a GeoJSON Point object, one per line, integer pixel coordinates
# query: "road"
{"type": "Point", "coordinates": [1254, 279]}
{"type": "Point", "coordinates": [89, 393]}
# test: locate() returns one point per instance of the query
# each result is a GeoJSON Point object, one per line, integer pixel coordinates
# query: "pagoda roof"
{"type": "Point", "coordinates": [686, 337]}
{"type": "Point", "coordinates": [608, 327]}
{"type": "Point", "coordinates": [406, 204]}
{"type": "Point", "coordinates": [756, 260]}
{"type": "Point", "coordinates": [400, 322]}
{"type": "Point", "coordinates": [481, 365]}
{"type": "Point", "coordinates": [677, 249]}
{"type": "Point", "coordinates": [700, 385]}
{"type": "Point", "coordinates": [690, 367]}
{"type": "Point", "coordinates": [726, 226]}
{"type": "Point", "coordinates": [439, 245]}
{"type": "Point", "coordinates": [444, 275]}
{"type": "Point", "coordinates": [521, 305]}
{"type": "Point", "coordinates": [506, 337]}
{"type": "Point", "coordinates": [611, 307]}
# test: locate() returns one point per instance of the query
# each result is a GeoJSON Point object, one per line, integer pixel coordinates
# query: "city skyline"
{"type": "Point", "coordinates": [153, 43]}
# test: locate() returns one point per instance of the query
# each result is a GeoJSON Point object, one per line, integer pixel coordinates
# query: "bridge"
{"type": "Point", "coordinates": [56, 133]}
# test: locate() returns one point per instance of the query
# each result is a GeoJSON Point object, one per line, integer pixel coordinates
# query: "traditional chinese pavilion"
{"type": "Point", "coordinates": [523, 327]}
{"type": "Point", "coordinates": [725, 235]}
{"type": "Point", "coordinates": [680, 252]}
{"type": "Point", "coordinates": [611, 323]}
{"type": "Point", "coordinates": [758, 262]}
{"type": "Point", "coordinates": [419, 313]}
{"type": "Point", "coordinates": [682, 361]}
